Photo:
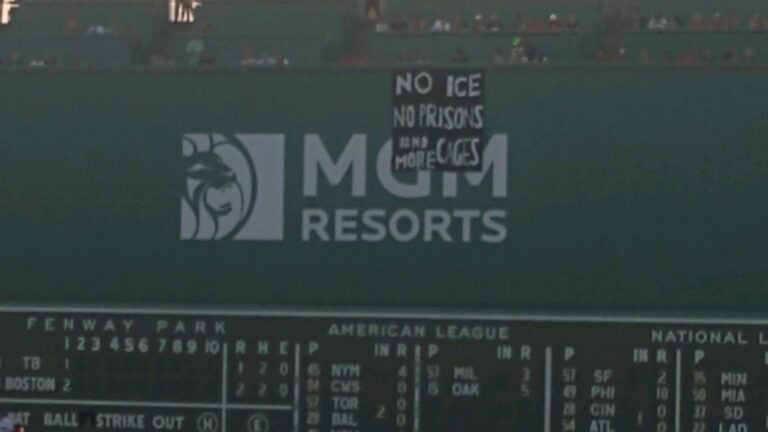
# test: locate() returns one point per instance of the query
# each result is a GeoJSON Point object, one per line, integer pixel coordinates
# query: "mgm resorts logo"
{"type": "Point", "coordinates": [234, 189]}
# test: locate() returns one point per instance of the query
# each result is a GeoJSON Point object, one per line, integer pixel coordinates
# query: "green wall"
{"type": "Point", "coordinates": [627, 189]}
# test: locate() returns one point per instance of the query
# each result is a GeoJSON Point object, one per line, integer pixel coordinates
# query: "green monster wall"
{"type": "Point", "coordinates": [626, 190]}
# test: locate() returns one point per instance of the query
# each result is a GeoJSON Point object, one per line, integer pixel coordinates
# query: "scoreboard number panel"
{"type": "Point", "coordinates": [314, 371]}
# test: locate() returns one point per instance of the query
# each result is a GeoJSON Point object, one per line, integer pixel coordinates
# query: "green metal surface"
{"type": "Point", "coordinates": [628, 189]}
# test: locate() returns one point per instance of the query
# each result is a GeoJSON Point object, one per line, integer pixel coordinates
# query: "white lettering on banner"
{"type": "Point", "coordinates": [422, 82]}
{"type": "Point", "coordinates": [419, 189]}
{"type": "Point", "coordinates": [495, 161]}
{"type": "Point", "coordinates": [468, 86]}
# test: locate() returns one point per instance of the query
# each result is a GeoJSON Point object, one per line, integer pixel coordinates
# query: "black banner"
{"type": "Point", "coordinates": [438, 118]}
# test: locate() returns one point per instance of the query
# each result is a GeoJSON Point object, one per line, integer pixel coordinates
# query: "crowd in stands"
{"type": "Point", "coordinates": [636, 21]}
{"type": "Point", "coordinates": [265, 59]}
{"type": "Point", "coordinates": [197, 53]}
{"type": "Point", "coordinates": [689, 56]}
{"type": "Point", "coordinates": [198, 47]}
{"type": "Point", "coordinates": [718, 21]}
{"type": "Point", "coordinates": [479, 23]}
{"type": "Point", "coordinates": [523, 51]}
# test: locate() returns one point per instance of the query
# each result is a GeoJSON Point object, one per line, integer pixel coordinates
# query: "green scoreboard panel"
{"type": "Point", "coordinates": [240, 251]}
{"type": "Point", "coordinates": [213, 370]}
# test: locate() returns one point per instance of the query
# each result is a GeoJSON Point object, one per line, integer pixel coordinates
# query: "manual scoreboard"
{"type": "Point", "coordinates": [213, 371]}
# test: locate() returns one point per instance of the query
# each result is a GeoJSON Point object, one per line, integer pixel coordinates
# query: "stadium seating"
{"type": "Point", "coordinates": [571, 47]}
{"type": "Point", "coordinates": [112, 32]}
{"type": "Point", "coordinates": [297, 31]}
{"type": "Point", "coordinates": [123, 32]}
{"type": "Point", "coordinates": [478, 47]}
{"type": "Point", "coordinates": [93, 33]}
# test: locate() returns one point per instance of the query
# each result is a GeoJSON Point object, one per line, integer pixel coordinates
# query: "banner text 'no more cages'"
{"type": "Point", "coordinates": [438, 120]}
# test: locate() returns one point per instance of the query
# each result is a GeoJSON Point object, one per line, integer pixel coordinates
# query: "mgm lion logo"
{"type": "Point", "coordinates": [233, 187]}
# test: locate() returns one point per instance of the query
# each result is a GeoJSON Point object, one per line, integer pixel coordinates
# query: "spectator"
{"type": "Point", "coordinates": [494, 23]}
{"type": "Point", "coordinates": [402, 57]}
{"type": "Point", "coordinates": [518, 23]}
{"type": "Point", "coordinates": [535, 25]}
{"type": "Point", "coordinates": [248, 59]}
{"type": "Point", "coordinates": [658, 22]}
{"type": "Point", "coordinates": [697, 22]}
{"type": "Point", "coordinates": [195, 50]}
{"type": "Point", "coordinates": [517, 53]}
{"type": "Point", "coordinates": [267, 59]}
{"type": "Point", "coordinates": [480, 24]}
{"type": "Point", "coordinates": [748, 55]}
{"type": "Point", "coordinates": [634, 20]}
{"type": "Point", "coordinates": [373, 10]}
{"type": "Point", "coordinates": [96, 30]}
{"type": "Point", "coordinates": [418, 24]}
{"type": "Point", "coordinates": [641, 21]}
{"type": "Point", "coordinates": [731, 55]}
{"type": "Point", "coordinates": [687, 57]}
{"type": "Point", "coordinates": [398, 24]}
{"type": "Point", "coordinates": [717, 23]}
{"type": "Point", "coordinates": [666, 57]}
{"type": "Point", "coordinates": [535, 55]}
{"type": "Point", "coordinates": [423, 59]}
{"type": "Point", "coordinates": [678, 23]}
{"type": "Point", "coordinates": [458, 56]}
{"type": "Point", "coordinates": [37, 61]}
{"type": "Point", "coordinates": [571, 23]}
{"type": "Point", "coordinates": [459, 24]}
{"type": "Point", "coordinates": [441, 25]}
{"type": "Point", "coordinates": [553, 23]}
{"type": "Point", "coordinates": [72, 25]}
{"type": "Point", "coordinates": [531, 53]}
{"type": "Point", "coordinates": [757, 22]}
{"type": "Point", "coordinates": [382, 27]}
